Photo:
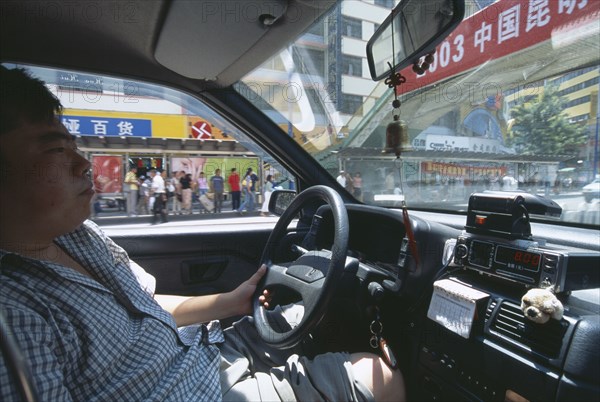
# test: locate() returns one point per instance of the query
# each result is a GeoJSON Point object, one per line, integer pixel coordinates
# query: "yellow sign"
{"type": "Point", "coordinates": [155, 124]}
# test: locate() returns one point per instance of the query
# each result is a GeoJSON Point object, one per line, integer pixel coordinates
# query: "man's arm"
{"type": "Point", "coordinates": [189, 310]}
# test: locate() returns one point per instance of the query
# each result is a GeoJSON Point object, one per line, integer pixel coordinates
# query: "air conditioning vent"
{"type": "Point", "coordinates": [490, 309]}
{"type": "Point", "coordinates": [545, 339]}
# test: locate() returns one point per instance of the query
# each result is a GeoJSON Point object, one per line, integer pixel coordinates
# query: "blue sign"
{"type": "Point", "coordinates": [110, 127]}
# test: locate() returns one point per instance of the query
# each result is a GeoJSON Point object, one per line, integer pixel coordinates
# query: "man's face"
{"type": "Point", "coordinates": [45, 185]}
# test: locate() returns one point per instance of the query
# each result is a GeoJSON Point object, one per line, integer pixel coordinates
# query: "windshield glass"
{"type": "Point", "coordinates": [510, 102]}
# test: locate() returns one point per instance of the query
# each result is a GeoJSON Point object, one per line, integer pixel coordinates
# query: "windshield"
{"type": "Point", "coordinates": [509, 103]}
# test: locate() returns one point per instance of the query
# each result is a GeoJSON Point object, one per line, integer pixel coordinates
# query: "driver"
{"type": "Point", "coordinates": [85, 317]}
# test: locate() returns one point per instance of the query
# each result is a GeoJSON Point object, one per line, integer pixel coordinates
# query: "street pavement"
{"type": "Point", "coordinates": [116, 216]}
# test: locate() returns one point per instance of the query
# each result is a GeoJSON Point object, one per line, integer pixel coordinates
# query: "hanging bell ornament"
{"type": "Point", "coordinates": [396, 137]}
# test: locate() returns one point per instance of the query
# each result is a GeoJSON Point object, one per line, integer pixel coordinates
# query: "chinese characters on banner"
{"type": "Point", "coordinates": [501, 29]}
{"type": "Point", "coordinates": [465, 171]}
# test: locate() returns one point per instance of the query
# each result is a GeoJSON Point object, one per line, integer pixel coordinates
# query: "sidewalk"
{"type": "Point", "coordinates": [113, 216]}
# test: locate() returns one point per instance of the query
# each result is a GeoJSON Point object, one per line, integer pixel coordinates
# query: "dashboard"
{"type": "Point", "coordinates": [503, 356]}
{"type": "Point", "coordinates": [374, 239]}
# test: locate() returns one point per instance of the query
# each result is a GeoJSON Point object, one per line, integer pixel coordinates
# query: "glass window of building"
{"type": "Point", "coordinates": [351, 27]}
{"type": "Point", "coordinates": [352, 65]}
{"type": "Point", "coordinates": [350, 104]}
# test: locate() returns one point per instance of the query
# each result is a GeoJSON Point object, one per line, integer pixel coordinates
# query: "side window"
{"type": "Point", "coordinates": [133, 131]}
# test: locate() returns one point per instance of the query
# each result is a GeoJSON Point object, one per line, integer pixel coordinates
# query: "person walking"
{"type": "Point", "coordinates": [160, 197]}
{"type": "Point", "coordinates": [253, 188]}
{"type": "Point", "coordinates": [131, 183]}
{"type": "Point", "coordinates": [168, 190]}
{"type": "Point", "coordinates": [186, 192]}
{"type": "Point", "coordinates": [357, 182]}
{"type": "Point", "coordinates": [217, 184]}
{"type": "Point", "coordinates": [268, 190]}
{"type": "Point", "coordinates": [349, 185]}
{"type": "Point", "coordinates": [173, 187]}
{"type": "Point", "coordinates": [235, 189]}
{"type": "Point", "coordinates": [143, 196]}
{"type": "Point", "coordinates": [248, 187]}
{"type": "Point", "coordinates": [202, 190]}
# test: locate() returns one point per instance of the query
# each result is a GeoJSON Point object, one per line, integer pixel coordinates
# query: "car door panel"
{"type": "Point", "coordinates": [199, 263]}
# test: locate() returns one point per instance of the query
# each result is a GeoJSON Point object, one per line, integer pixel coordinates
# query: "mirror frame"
{"type": "Point", "coordinates": [280, 200]}
{"type": "Point", "coordinates": [459, 12]}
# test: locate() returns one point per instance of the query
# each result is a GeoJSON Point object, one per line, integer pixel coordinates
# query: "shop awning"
{"type": "Point", "coordinates": [470, 156]}
{"type": "Point", "coordinates": [160, 145]}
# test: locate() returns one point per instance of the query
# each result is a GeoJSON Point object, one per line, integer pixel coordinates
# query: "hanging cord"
{"type": "Point", "coordinates": [394, 80]}
{"type": "Point", "coordinates": [412, 243]}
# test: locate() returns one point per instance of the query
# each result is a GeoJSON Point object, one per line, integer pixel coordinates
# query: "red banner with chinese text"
{"type": "Point", "coordinates": [506, 27]}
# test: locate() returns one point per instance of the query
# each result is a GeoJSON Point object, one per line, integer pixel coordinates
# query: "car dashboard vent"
{"type": "Point", "coordinates": [544, 339]}
{"type": "Point", "coordinates": [490, 309]}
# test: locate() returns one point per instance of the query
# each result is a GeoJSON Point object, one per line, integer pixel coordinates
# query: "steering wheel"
{"type": "Point", "coordinates": [313, 276]}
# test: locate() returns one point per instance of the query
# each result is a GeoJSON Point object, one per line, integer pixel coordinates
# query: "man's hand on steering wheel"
{"type": "Point", "coordinates": [242, 295]}
{"type": "Point", "coordinates": [265, 298]}
{"type": "Point", "coordinates": [312, 277]}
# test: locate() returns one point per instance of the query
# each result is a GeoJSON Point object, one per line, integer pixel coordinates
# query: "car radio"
{"type": "Point", "coordinates": [521, 261]}
{"type": "Point", "coordinates": [497, 241]}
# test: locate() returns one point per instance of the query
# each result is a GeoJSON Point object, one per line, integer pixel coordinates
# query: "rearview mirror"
{"type": "Point", "coordinates": [416, 28]}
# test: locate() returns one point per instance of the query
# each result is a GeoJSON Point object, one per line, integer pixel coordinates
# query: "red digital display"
{"type": "Point", "coordinates": [517, 259]}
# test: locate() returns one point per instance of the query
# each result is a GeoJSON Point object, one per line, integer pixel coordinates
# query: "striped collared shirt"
{"type": "Point", "coordinates": [102, 338]}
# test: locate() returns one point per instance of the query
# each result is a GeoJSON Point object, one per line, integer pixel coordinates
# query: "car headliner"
{"type": "Point", "coordinates": [122, 37]}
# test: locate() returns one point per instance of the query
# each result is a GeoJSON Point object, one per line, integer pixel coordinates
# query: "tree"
{"type": "Point", "coordinates": [541, 127]}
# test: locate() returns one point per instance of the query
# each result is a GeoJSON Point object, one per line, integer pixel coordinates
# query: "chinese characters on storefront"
{"type": "Point", "coordinates": [461, 170]}
{"type": "Point", "coordinates": [86, 125]}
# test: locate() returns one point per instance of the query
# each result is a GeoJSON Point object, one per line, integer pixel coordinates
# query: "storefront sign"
{"type": "Point", "coordinates": [201, 130]}
{"type": "Point", "coordinates": [458, 144]}
{"type": "Point", "coordinates": [465, 171]}
{"type": "Point", "coordinates": [80, 82]}
{"type": "Point", "coordinates": [107, 126]}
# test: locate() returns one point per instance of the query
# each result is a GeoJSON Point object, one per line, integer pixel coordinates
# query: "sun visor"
{"type": "Point", "coordinates": [217, 34]}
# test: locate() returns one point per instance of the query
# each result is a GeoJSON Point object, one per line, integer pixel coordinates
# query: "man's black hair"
{"type": "Point", "coordinates": [25, 99]}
